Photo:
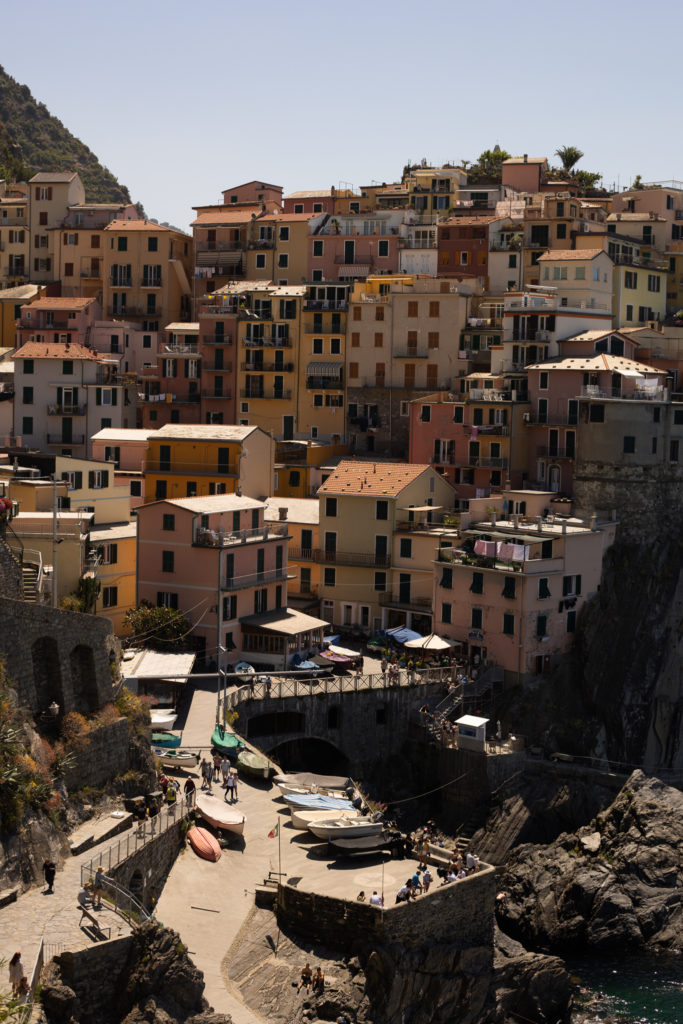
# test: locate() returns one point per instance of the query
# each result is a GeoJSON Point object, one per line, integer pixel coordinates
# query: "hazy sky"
{"type": "Point", "coordinates": [182, 100]}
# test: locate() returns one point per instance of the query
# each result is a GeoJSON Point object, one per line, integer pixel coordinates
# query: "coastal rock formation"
{"type": "Point", "coordinates": [613, 884]}
{"type": "Point", "coordinates": [529, 986]}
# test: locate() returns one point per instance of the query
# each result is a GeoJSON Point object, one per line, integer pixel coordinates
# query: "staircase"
{"type": "Point", "coordinates": [10, 566]}
{"type": "Point", "coordinates": [29, 583]}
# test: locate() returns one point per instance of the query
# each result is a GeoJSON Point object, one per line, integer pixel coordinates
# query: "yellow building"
{"type": "Point", "coordinates": [302, 466]}
{"type": "Point", "coordinates": [302, 516]}
{"type": "Point", "coordinates": [278, 248]}
{"type": "Point", "coordinates": [194, 460]}
{"type": "Point", "coordinates": [14, 237]}
{"type": "Point", "coordinates": [115, 546]}
{"type": "Point", "coordinates": [78, 243]}
{"type": "Point", "coordinates": [674, 277]}
{"type": "Point", "coordinates": [362, 504]}
{"type": "Point", "coordinates": [147, 271]}
{"type": "Point", "coordinates": [640, 291]}
{"type": "Point", "coordinates": [11, 301]}
{"type": "Point", "coordinates": [433, 189]}
{"type": "Point", "coordinates": [321, 409]}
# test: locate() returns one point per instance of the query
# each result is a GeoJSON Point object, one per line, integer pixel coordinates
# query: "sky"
{"type": "Point", "coordinates": [181, 101]}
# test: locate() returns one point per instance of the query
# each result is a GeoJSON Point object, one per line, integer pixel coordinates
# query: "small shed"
{"type": "Point", "coordinates": [472, 732]}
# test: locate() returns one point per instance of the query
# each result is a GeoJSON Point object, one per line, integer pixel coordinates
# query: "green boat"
{"type": "Point", "coordinates": [165, 739]}
{"type": "Point", "coordinates": [256, 764]}
{"type": "Point", "coordinates": [225, 742]}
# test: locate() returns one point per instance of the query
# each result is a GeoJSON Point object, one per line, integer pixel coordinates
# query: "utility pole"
{"type": "Point", "coordinates": [54, 541]}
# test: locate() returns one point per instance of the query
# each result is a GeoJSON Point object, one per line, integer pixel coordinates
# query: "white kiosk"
{"type": "Point", "coordinates": [472, 733]}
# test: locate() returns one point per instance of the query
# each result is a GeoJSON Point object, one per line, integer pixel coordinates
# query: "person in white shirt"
{"type": "Point", "coordinates": [376, 900]}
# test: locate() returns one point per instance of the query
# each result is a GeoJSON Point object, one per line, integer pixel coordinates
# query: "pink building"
{"type": "Point", "coordinates": [58, 320]}
{"type": "Point", "coordinates": [127, 449]}
{"type": "Point", "coordinates": [354, 246]}
{"type": "Point", "coordinates": [217, 562]}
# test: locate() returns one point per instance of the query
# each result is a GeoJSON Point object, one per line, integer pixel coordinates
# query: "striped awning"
{"type": "Point", "coordinates": [324, 369]}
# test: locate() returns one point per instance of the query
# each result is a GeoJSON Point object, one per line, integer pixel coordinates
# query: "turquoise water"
{"type": "Point", "coordinates": [630, 990]}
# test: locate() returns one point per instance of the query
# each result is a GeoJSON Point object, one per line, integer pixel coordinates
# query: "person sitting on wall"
{"type": "Point", "coordinates": [306, 977]}
{"type": "Point", "coordinates": [403, 894]}
{"type": "Point", "coordinates": [318, 982]}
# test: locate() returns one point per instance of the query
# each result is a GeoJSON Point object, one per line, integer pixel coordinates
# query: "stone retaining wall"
{"type": "Point", "coordinates": [105, 756]}
{"type": "Point", "coordinates": [145, 871]}
{"type": "Point", "coordinates": [92, 972]}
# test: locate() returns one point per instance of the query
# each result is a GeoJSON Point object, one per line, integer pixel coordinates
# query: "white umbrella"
{"type": "Point", "coordinates": [430, 643]}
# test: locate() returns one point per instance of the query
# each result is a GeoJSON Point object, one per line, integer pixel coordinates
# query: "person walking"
{"type": "Point", "coordinates": [216, 767]}
{"type": "Point", "coordinates": [49, 870]}
{"type": "Point", "coordinates": [16, 972]}
{"type": "Point", "coordinates": [189, 790]}
{"type": "Point", "coordinates": [98, 886]}
{"type": "Point", "coordinates": [231, 788]}
{"type": "Point", "coordinates": [225, 770]}
{"type": "Point", "coordinates": [426, 879]}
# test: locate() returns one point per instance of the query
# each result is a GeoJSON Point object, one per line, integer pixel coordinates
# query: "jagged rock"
{"type": "Point", "coordinates": [626, 893]}
{"type": "Point", "coordinates": [208, 1017]}
{"type": "Point", "coordinates": [529, 985]}
{"type": "Point", "coordinates": [157, 964]}
{"type": "Point", "coordinates": [59, 1001]}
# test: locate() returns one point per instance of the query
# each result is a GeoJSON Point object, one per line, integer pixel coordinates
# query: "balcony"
{"type": "Point", "coordinates": [302, 554]}
{"type": "Point", "coordinates": [66, 410]}
{"type": "Point", "coordinates": [325, 306]}
{"type": "Point", "coordinates": [267, 341]}
{"type": "Point", "coordinates": [259, 315]}
{"type": "Point", "coordinates": [360, 558]}
{"type": "Point", "coordinates": [650, 394]}
{"type": "Point", "coordinates": [216, 339]}
{"type": "Point", "coordinates": [92, 273]}
{"type": "Point", "coordinates": [190, 469]}
{"type": "Point", "coordinates": [208, 538]}
{"type": "Point", "coordinates": [488, 395]}
{"type": "Point", "coordinates": [217, 246]}
{"type": "Point", "coordinates": [167, 396]}
{"type": "Point", "coordinates": [411, 353]}
{"type": "Point", "coordinates": [120, 282]}
{"type": "Point", "coordinates": [179, 350]}
{"type": "Point", "coordinates": [267, 367]}
{"type": "Point", "coordinates": [324, 384]}
{"type": "Point", "coordinates": [489, 429]}
{"type": "Point", "coordinates": [75, 439]}
{"type": "Point", "coordinates": [561, 418]}
{"type": "Point", "coordinates": [129, 311]}
{"type": "Point", "coordinates": [269, 393]}
{"type": "Point", "coordinates": [223, 395]}
{"type": "Point", "coordinates": [262, 243]}
{"type": "Point", "coordinates": [151, 282]}
{"type": "Point", "coordinates": [257, 579]}
{"type": "Point", "coordinates": [324, 329]}
{"type": "Point", "coordinates": [406, 601]}
{"type": "Point", "coordinates": [530, 334]}
{"type": "Point", "coordinates": [487, 463]}
{"type": "Point", "coordinates": [416, 243]}
{"type": "Point", "coordinates": [530, 566]}
{"type": "Point", "coordinates": [553, 452]}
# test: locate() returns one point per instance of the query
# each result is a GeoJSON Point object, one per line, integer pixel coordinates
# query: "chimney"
{"type": "Point", "coordinates": [515, 521]}
{"type": "Point", "coordinates": [526, 158]}
{"type": "Point", "coordinates": [539, 524]}
{"type": "Point", "coordinates": [594, 522]}
{"type": "Point", "coordinates": [282, 512]}
{"type": "Point", "coordinates": [564, 527]}
{"type": "Point", "coordinates": [333, 191]}
{"type": "Point", "coordinates": [493, 518]}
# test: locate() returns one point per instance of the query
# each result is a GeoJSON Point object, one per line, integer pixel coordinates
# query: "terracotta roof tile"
{"type": "Point", "coordinates": [241, 215]}
{"type": "Point", "coordinates": [56, 350]}
{"type": "Point", "coordinates": [571, 254]}
{"type": "Point", "coordinates": [53, 302]}
{"type": "Point", "coordinates": [139, 225]}
{"type": "Point", "coordinates": [384, 479]}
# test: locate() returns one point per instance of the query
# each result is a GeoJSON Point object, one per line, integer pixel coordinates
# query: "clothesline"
{"type": "Point", "coordinates": [501, 549]}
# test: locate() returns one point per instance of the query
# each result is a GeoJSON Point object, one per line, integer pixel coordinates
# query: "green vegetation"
{"type": "Point", "coordinates": [164, 629]}
{"type": "Point", "coordinates": [135, 710]}
{"type": "Point", "coordinates": [569, 155]}
{"type": "Point", "coordinates": [32, 140]}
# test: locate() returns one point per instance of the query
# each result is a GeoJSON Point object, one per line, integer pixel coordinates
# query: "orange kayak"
{"type": "Point", "coordinates": [204, 844]}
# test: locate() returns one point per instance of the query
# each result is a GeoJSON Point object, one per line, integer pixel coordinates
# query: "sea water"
{"type": "Point", "coordinates": [641, 989]}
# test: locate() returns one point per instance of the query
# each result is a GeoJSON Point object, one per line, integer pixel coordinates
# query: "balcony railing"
{"type": "Point", "coordinates": [360, 558]}
{"type": "Point", "coordinates": [489, 395]}
{"type": "Point", "coordinates": [120, 282]}
{"type": "Point", "coordinates": [93, 274]}
{"type": "Point", "coordinates": [553, 452]}
{"type": "Point", "coordinates": [276, 394]}
{"type": "Point", "coordinates": [216, 339]}
{"type": "Point", "coordinates": [301, 554]}
{"type": "Point", "coordinates": [324, 384]}
{"type": "Point", "coordinates": [66, 410]}
{"type": "Point", "coordinates": [217, 246]}
{"type": "Point", "coordinates": [262, 243]}
{"type": "Point", "coordinates": [267, 341]}
{"type": "Point", "coordinates": [209, 393]}
{"type": "Point", "coordinates": [649, 394]}
{"type": "Point", "coordinates": [561, 418]}
{"type": "Point", "coordinates": [75, 439]}
{"type": "Point", "coordinates": [209, 538]}
{"type": "Point", "coordinates": [325, 305]}
{"type": "Point", "coordinates": [488, 429]}
{"type": "Point", "coordinates": [267, 367]}
{"type": "Point", "coordinates": [262, 314]}
{"type": "Point", "coordinates": [256, 579]}
{"type": "Point", "coordinates": [399, 600]}
{"type": "Point", "coordinates": [151, 282]}
{"type": "Point", "coordinates": [411, 353]}
{"type": "Point", "coordinates": [487, 463]}
{"type": "Point", "coordinates": [190, 469]}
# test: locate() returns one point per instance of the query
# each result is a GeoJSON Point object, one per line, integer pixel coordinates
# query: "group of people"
{"type": "Point", "coordinates": [18, 979]}
{"type": "Point", "coordinates": [216, 769]}
{"type": "Point", "coordinates": [309, 980]}
{"type": "Point", "coordinates": [415, 885]}
{"type": "Point", "coordinates": [91, 895]}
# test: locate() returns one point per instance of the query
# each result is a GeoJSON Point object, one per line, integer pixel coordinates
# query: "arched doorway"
{"type": "Point", "coordinates": [83, 679]}
{"type": "Point", "coordinates": [47, 673]}
{"type": "Point", "coordinates": [311, 754]}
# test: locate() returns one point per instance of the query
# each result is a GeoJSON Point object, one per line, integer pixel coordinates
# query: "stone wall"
{"type": "Point", "coordinates": [90, 973]}
{"type": "Point", "coordinates": [54, 655]}
{"type": "Point", "coordinates": [391, 437]}
{"type": "Point", "coordinates": [10, 573]}
{"type": "Point", "coordinates": [106, 755]}
{"type": "Point", "coordinates": [144, 872]}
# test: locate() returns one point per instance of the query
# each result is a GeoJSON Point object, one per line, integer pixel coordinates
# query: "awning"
{"type": "Point", "coordinates": [159, 665]}
{"type": "Point", "coordinates": [354, 270]}
{"type": "Point", "coordinates": [401, 635]}
{"type": "Point", "coordinates": [631, 373]}
{"type": "Point", "coordinates": [284, 620]}
{"type": "Point", "coordinates": [324, 369]}
{"type": "Point", "coordinates": [420, 508]}
{"type": "Point", "coordinates": [472, 721]}
{"type": "Point", "coordinates": [521, 538]}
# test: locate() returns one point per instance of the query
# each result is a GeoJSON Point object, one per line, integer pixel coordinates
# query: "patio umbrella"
{"type": "Point", "coordinates": [430, 643]}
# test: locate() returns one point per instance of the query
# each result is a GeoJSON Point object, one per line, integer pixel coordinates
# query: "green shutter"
{"type": "Point", "coordinates": [105, 478]}
{"type": "Point", "coordinates": [114, 396]}
{"type": "Point", "coordinates": [98, 396]}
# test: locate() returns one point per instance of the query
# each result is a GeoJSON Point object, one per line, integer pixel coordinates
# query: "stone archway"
{"type": "Point", "coordinates": [311, 754]}
{"type": "Point", "coordinates": [272, 723]}
{"type": "Point", "coordinates": [47, 673]}
{"type": "Point", "coordinates": [84, 679]}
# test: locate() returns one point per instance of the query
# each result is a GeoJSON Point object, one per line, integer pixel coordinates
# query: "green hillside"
{"type": "Point", "coordinates": [32, 140]}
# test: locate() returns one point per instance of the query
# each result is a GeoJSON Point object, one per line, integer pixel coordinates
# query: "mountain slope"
{"type": "Point", "coordinates": [32, 140]}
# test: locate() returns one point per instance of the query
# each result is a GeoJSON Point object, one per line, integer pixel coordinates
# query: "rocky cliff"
{"type": "Point", "coordinates": [613, 884]}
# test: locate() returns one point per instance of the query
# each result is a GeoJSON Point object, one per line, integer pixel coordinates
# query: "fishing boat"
{"type": "Point", "coordinates": [357, 846]}
{"type": "Point", "coordinates": [302, 819]}
{"type": "Point", "coordinates": [177, 758]}
{"type": "Point", "coordinates": [225, 742]}
{"type": "Point", "coordinates": [317, 802]}
{"type": "Point", "coordinates": [306, 780]}
{"type": "Point", "coordinates": [244, 669]}
{"type": "Point", "coordinates": [163, 719]}
{"type": "Point", "coordinates": [255, 764]}
{"type": "Point", "coordinates": [287, 789]}
{"type": "Point", "coordinates": [219, 814]}
{"type": "Point", "coordinates": [204, 844]}
{"type": "Point", "coordinates": [165, 739]}
{"type": "Point", "coordinates": [336, 659]}
{"type": "Point", "coordinates": [341, 827]}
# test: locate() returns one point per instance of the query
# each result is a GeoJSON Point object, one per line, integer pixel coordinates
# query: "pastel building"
{"type": "Point", "coordinates": [301, 516]}
{"type": "Point", "coordinates": [115, 548]}
{"type": "Point", "coordinates": [51, 194]}
{"type": "Point", "coordinates": [171, 384]}
{"type": "Point", "coordinates": [78, 244]}
{"type": "Point", "coordinates": [14, 237]}
{"type": "Point", "coordinates": [322, 354]}
{"type": "Point", "coordinates": [126, 448]}
{"type": "Point", "coordinates": [215, 560]}
{"type": "Point", "coordinates": [354, 246]}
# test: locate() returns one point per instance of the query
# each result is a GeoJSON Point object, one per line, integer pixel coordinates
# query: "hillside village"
{"type": "Point", "coordinates": [365, 408]}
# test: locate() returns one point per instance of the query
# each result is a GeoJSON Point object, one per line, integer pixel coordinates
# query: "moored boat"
{"type": "Point", "coordinates": [219, 814]}
{"type": "Point", "coordinates": [301, 819]}
{"type": "Point", "coordinates": [175, 758]}
{"type": "Point", "coordinates": [287, 789]}
{"type": "Point", "coordinates": [340, 827]}
{"type": "Point", "coordinates": [204, 844]}
{"type": "Point", "coordinates": [359, 845]}
{"type": "Point", "coordinates": [225, 742]}
{"type": "Point", "coordinates": [165, 739]}
{"type": "Point", "coordinates": [163, 719]}
{"type": "Point", "coordinates": [255, 764]}
{"type": "Point", "coordinates": [308, 779]}
{"type": "Point", "coordinates": [317, 802]}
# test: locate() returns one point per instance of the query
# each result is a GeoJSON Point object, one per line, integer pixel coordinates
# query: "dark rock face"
{"type": "Point", "coordinates": [528, 985]}
{"type": "Point", "coordinates": [614, 884]}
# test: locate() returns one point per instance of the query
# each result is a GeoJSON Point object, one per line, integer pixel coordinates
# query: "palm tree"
{"type": "Point", "coordinates": [569, 155]}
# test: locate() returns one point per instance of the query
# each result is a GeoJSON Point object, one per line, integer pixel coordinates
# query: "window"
{"type": "Point", "coordinates": [541, 626]}
{"type": "Point", "coordinates": [406, 547]}
{"type": "Point", "coordinates": [98, 479]}
{"type": "Point", "coordinates": [379, 339]}
{"type": "Point", "coordinates": [629, 312]}
{"type": "Point", "coordinates": [571, 621]}
{"type": "Point", "coordinates": [260, 601]}
{"type": "Point", "coordinates": [136, 489]}
{"type": "Point", "coordinates": [509, 587]}
{"type": "Point", "coordinates": [433, 339]}
{"type": "Point", "coordinates": [446, 612]}
{"type": "Point", "coordinates": [379, 313]}
{"type": "Point", "coordinates": [458, 413]}
{"type": "Point", "coordinates": [382, 510]}
{"type": "Point", "coordinates": [653, 282]}
{"type": "Point", "coordinates": [110, 554]}
{"type": "Point", "coordinates": [561, 231]}
{"type": "Point", "coordinates": [571, 586]}
{"type": "Point", "coordinates": [317, 346]}
{"type": "Point", "coordinates": [110, 597]}
{"type": "Point", "coordinates": [67, 367]}
{"type": "Point", "coordinates": [508, 624]}
{"type": "Point", "coordinates": [294, 477]}
{"type": "Point", "coordinates": [168, 521]}
{"type": "Point", "coordinates": [559, 273]}
{"type": "Point", "coordinates": [477, 618]}
{"type": "Point", "coordinates": [122, 244]}
{"type": "Point", "coordinates": [543, 587]}
{"type": "Point", "coordinates": [167, 561]}
{"type": "Point", "coordinates": [673, 451]}
{"type": "Point", "coordinates": [68, 270]}
{"type": "Point", "coordinates": [27, 425]}
{"type": "Point", "coordinates": [298, 208]}
{"type": "Point", "coordinates": [426, 413]}
{"type": "Point", "coordinates": [330, 577]}
{"type": "Point", "coordinates": [282, 259]}
{"type": "Point", "coordinates": [380, 581]}
{"type": "Point", "coordinates": [152, 244]}
{"type": "Point", "coordinates": [630, 279]}
{"type": "Point", "coordinates": [597, 413]}
{"type": "Point", "coordinates": [260, 261]}
{"type": "Point", "coordinates": [383, 248]}
{"type": "Point", "coordinates": [357, 313]}
{"type": "Point", "coordinates": [476, 587]}
{"type": "Point", "coordinates": [464, 259]}
{"type": "Point", "coordinates": [335, 346]}
{"type": "Point", "coordinates": [331, 507]}
{"type": "Point", "coordinates": [433, 309]}
{"type": "Point", "coordinates": [229, 607]}
{"type": "Point", "coordinates": [166, 600]}
{"type": "Point", "coordinates": [353, 372]}
{"type": "Point", "coordinates": [629, 444]}
{"type": "Point", "coordinates": [27, 396]}
{"type": "Point", "coordinates": [284, 234]}
{"type": "Point", "coordinates": [543, 380]}
{"type": "Point", "coordinates": [580, 274]}
{"type": "Point", "coordinates": [412, 309]}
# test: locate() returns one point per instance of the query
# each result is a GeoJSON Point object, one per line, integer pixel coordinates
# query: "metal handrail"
{"type": "Point", "coordinates": [125, 904]}
{"type": "Point", "coordinates": [148, 830]}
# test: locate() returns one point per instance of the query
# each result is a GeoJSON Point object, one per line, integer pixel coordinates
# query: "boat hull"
{"type": "Point", "coordinates": [356, 847]}
{"type": "Point", "coordinates": [338, 828]}
{"type": "Point", "coordinates": [165, 739]}
{"type": "Point", "coordinates": [204, 844]}
{"type": "Point", "coordinates": [255, 765]}
{"type": "Point", "coordinates": [162, 720]}
{"type": "Point", "coordinates": [307, 779]}
{"type": "Point", "coordinates": [220, 815]}
{"type": "Point", "coordinates": [301, 818]}
{"type": "Point", "coordinates": [316, 802]}
{"type": "Point", "coordinates": [175, 759]}
{"type": "Point", "coordinates": [226, 742]}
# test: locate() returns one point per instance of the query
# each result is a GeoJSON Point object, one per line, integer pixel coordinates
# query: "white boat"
{"type": "Point", "coordinates": [302, 819]}
{"type": "Point", "coordinates": [175, 758]}
{"type": "Point", "coordinates": [244, 670]}
{"type": "Point", "coordinates": [308, 779]}
{"type": "Point", "coordinates": [345, 828]}
{"type": "Point", "coordinates": [163, 719]}
{"type": "Point", "coordinates": [318, 802]}
{"type": "Point", "coordinates": [289, 789]}
{"type": "Point", "coordinates": [219, 814]}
